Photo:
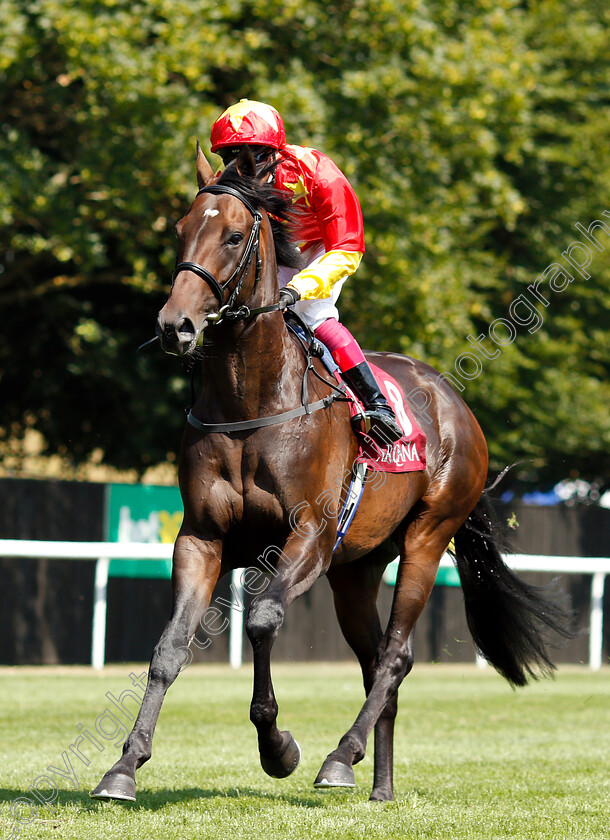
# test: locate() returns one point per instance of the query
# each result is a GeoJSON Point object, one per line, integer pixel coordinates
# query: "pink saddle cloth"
{"type": "Point", "coordinates": [405, 455]}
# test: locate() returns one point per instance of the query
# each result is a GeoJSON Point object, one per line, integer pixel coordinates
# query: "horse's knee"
{"type": "Point", "coordinates": [404, 659]}
{"type": "Point", "coordinates": [409, 658]}
{"type": "Point", "coordinates": [167, 662]}
{"type": "Point", "coordinates": [264, 620]}
{"type": "Point", "coordinates": [396, 661]}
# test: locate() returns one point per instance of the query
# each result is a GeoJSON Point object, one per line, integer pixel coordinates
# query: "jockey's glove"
{"type": "Point", "coordinates": [288, 297]}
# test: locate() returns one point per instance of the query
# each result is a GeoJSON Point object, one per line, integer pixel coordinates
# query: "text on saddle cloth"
{"type": "Point", "coordinates": [406, 455]}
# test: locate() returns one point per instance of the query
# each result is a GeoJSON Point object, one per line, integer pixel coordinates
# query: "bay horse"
{"type": "Point", "coordinates": [255, 469]}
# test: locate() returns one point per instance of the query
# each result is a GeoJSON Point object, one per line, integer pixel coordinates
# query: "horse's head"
{"type": "Point", "coordinates": [226, 247]}
{"type": "Point", "coordinates": [217, 256]}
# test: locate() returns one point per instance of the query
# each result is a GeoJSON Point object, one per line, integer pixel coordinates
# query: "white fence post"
{"type": "Point", "coordinates": [596, 633]}
{"type": "Point", "coordinates": [100, 601]}
{"type": "Point", "coordinates": [236, 619]}
{"type": "Point", "coordinates": [482, 663]}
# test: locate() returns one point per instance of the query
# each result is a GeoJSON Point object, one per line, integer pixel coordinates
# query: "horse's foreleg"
{"type": "Point", "coordinates": [299, 565]}
{"type": "Point", "coordinates": [195, 572]}
{"type": "Point", "coordinates": [424, 544]}
{"type": "Point", "coordinates": [355, 587]}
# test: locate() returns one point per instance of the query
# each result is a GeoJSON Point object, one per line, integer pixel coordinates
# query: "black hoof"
{"type": "Point", "coordinates": [335, 774]}
{"type": "Point", "coordinates": [286, 764]}
{"type": "Point", "coordinates": [116, 786]}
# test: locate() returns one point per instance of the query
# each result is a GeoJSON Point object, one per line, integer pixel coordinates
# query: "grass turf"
{"type": "Point", "coordinates": [473, 759]}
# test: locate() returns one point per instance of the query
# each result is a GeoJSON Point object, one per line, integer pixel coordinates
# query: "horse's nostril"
{"type": "Point", "coordinates": [185, 327]}
{"type": "Point", "coordinates": [177, 334]}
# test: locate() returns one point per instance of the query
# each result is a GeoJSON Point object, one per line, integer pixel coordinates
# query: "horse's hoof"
{"type": "Point", "coordinates": [335, 774]}
{"type": "Point", "coordinates": [286, 764]}
{"type": "Point", "coordinates": [116, 786]}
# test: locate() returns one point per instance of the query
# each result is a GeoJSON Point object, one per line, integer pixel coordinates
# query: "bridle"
{"type": "Point", "coordinates": [227, 308]}
{"type": "Point", "coordinates": [229, 311]}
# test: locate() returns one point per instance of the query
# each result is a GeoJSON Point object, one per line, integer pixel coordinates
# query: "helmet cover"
{"type": "Point", "coordinates": [248, 122]}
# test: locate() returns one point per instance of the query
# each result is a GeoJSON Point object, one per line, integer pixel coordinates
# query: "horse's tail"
{"type": "Point", "coordinates": [509, 619]}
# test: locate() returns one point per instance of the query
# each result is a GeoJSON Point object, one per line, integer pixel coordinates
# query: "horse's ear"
{"type": "Point", "coordinates": [245, 163]}
{"type": "Point", "coordinates": [204, 170]}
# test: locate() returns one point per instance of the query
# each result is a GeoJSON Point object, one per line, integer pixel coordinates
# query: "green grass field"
{"type": "Point", "coordinates": [474, 759]}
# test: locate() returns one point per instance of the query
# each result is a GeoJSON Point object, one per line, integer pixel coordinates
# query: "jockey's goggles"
{"type": "Point", "coordinates": [229, 153]}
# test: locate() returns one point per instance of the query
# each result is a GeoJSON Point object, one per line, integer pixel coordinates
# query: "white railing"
{"type": "Point", "coordinates": [104, 552]}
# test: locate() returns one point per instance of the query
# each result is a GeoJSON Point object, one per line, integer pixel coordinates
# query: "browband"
{"type": "Point", "coordinates": [220, 189]}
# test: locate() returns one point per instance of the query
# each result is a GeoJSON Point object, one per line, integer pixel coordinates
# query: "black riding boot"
{"type": "Point", "coordinates": [380, 420]}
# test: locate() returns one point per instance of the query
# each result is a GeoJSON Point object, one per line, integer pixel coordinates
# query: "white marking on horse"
{"type": "Point", "coordinates": [210, 212]}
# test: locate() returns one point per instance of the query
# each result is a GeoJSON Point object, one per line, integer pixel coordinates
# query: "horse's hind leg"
{"type": "Point", "coordinates": [355, 587]}
{"type": "Point", "coordinates": [425, 540]}
{"type": "Point", "coordinates": [196, 570]}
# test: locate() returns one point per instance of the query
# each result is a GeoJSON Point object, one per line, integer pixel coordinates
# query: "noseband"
{"type": "Point", "coordinates": [226, 308]}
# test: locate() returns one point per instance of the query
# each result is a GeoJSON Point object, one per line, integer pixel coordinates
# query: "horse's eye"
{"type": "Point", "coordinates": [235, 238]}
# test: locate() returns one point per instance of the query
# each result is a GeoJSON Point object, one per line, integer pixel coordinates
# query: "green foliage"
{"type": "Point", "coordinates": [476, 137]}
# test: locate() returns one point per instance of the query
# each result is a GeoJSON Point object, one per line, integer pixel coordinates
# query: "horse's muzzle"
{"type": "Point", "coordinates": [178, 337]}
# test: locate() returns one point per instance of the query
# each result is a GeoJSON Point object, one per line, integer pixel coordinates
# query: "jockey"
{"type": "Point", "coordinates": [330, 233]}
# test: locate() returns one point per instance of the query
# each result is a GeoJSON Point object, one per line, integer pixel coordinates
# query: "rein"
{"type": "Point", "coordinates": [227, 311]}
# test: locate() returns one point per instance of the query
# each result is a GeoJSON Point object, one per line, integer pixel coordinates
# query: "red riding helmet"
{"type": "Point", "coordinates": [249, 122]}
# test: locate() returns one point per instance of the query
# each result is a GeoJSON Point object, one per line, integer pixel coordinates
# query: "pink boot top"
{"type": "Point", "coordinates": [344, 348]}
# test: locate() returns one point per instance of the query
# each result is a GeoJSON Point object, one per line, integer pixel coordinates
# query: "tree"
{"type": "Point", "coordinates": [473, 133]}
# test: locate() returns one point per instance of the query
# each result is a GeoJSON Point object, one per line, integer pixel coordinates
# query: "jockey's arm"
{"type": "Point", "coordinates": [339, 218]}
{"type": "Point", "coordinates": [317, 280]}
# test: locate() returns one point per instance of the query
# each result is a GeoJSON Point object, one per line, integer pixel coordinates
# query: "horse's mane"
{"type": "Point", "coordinates": [278, 206]}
